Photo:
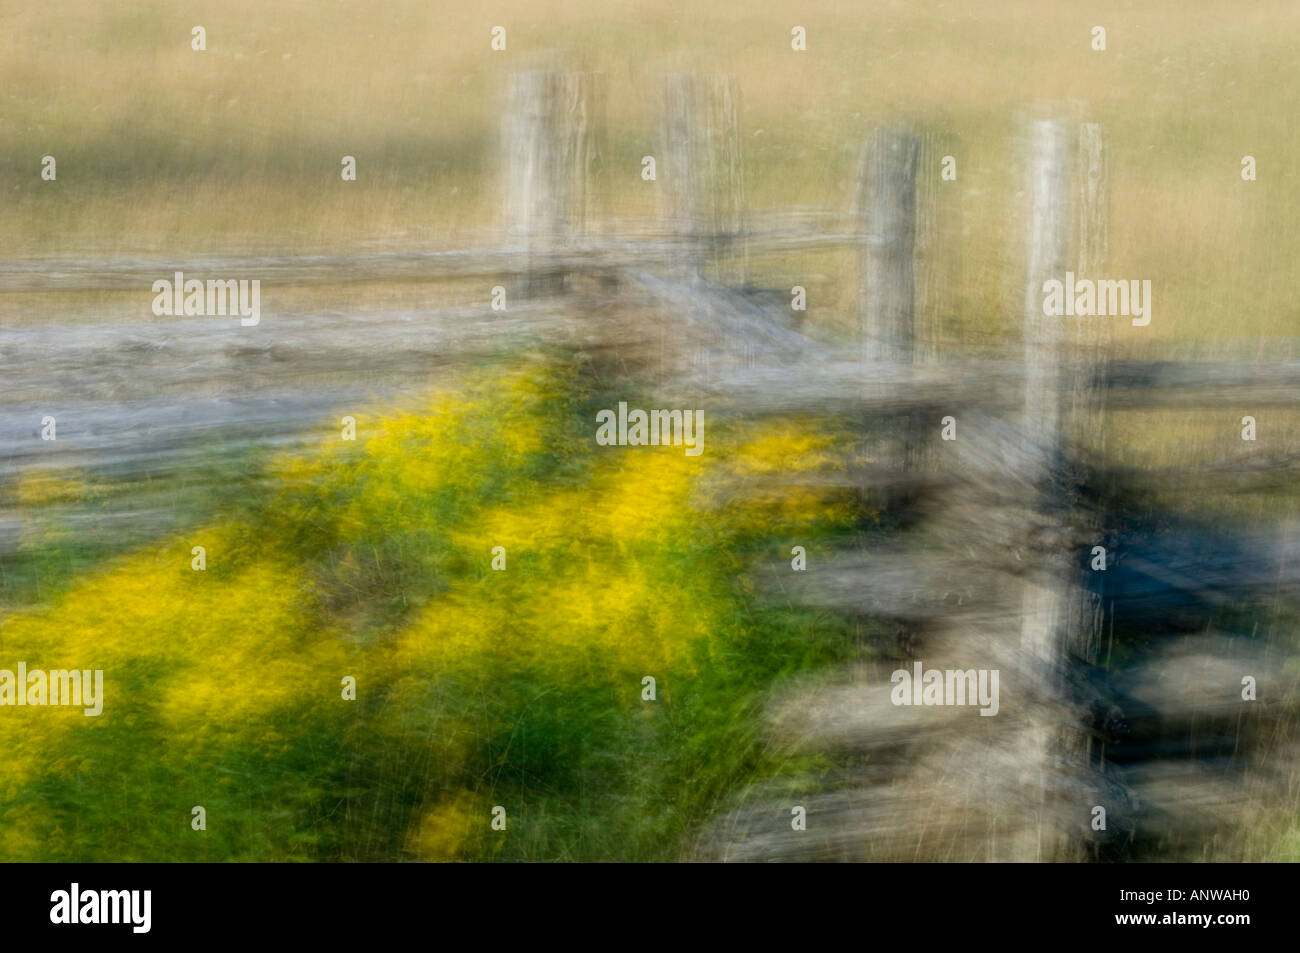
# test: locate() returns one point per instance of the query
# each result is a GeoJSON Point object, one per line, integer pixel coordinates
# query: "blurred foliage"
{"type": "Point", "coordinates": [520, 688]}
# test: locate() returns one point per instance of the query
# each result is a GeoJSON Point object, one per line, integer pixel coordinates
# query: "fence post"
{"type": "Point", "coordinates": [1090, 339]}
{"type": "Point", "coordinates": [552, 129]}
{"type": "Point", "coordinates": [938, 275]}
{"type": "Point", "coordinates": [888, 207]}
{"type": "Point", "coordinates": [702, 189]}
{"type": "Point", "coordinates": [887, 199]}
{"type": "Point", "coordinates": [1061, 420]}
{"type": "Point", "coordinates": [701, 173]}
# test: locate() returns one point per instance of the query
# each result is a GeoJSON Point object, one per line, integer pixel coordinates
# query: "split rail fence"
{"type": "Point", "coordinates": [1020, 478]}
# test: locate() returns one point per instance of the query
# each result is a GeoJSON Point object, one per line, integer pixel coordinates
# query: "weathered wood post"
{"type": "Point", "coordinates": [887, 197]}
{"type": "Point", "coordinates": [1060, 421]}
{"type": "Point", "coordinates": [938, 252]}
{"type": "Point", "coordinates": [1089, 343]}
{"type": "Point", "coordinates": [1088, 358]}
{"type": "Point", "coordinates": [910, 256]}
{"type": "Point", "coordinates": [701, 186]}
{"type": "Point", "coordinates": [701, 176]}
{"type": "Point", "coordinates": [888, 208]}
{"type": "Point", "coordinates": [552, 141]}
